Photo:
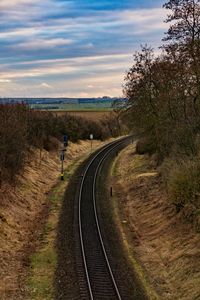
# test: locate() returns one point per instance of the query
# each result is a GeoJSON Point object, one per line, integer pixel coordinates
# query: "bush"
{"type": "Point", "coordinates": [183, 183]}
{"type": "Point", "coordinates": [51, 144]}
{"type": "Point", "coordinates": [182, 180]}
{"type": "Point", "coordinates": [12, 141]}
{"type": "Point", "coordinates": [22, 128]}
{"type": "Point", "coordinates": [145, 146]}
{"type": "Point", "coordinates": [112, 124]}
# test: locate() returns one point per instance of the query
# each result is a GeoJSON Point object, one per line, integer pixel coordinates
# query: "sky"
{"type": "Point", "coordinates": [73, 48]}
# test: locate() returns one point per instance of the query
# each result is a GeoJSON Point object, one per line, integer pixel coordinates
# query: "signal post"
{"type": "Point", "coordinates": [62, 155]}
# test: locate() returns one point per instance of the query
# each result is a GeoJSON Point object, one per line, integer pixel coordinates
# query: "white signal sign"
{"type": "Point", "coordinates": [91, 136]}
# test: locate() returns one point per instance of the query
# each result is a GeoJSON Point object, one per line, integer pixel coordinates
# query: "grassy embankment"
{"type": "Point", "coordinates": [44, 261]}
{"type": "Point", "coordinates": [40, 283]}
{"type": "Point", "coordinates": [162, 248]}
{"type": "Point", "coordinates": [29, 164]}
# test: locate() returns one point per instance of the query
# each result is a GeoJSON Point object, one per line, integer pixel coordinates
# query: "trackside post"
{"type": "Point", "coordinates": [91, 139]}
{"type": "Point", "coordinates": [62, 155]}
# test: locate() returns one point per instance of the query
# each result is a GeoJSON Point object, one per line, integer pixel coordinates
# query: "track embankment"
{"type": "Point", "coordinates": [162, 249]}
{"type": "Point", "coordinates": [25, 213]}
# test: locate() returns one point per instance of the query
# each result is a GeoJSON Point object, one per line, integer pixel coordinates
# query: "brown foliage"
{"type": "Point", "coordinates": [13, 133]}
{"type": "Point", "coordinates": [164, 102]}
{"type": "Point", "coordinates": [164, 92]}
{"type": "Point", "coordinates": [22, 128]}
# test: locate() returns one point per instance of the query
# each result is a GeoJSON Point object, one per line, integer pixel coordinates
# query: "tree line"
{"type": "Point", "coordinates": [163, 105]}
{"type": "Point", "coordinates": [22, 129]}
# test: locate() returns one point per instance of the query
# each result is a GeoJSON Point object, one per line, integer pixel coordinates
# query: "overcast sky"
{"type": "Point", "coordinates": [73, 48]}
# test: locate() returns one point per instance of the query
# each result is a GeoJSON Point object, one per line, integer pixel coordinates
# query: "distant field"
{"type": "Point", "coordinates": [74, 106]}
{"type": "Point", "coordinates": [92, 115]}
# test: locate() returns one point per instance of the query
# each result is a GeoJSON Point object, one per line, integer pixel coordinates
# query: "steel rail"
{"type": "Point", "coordinates": [97, 221]}
{"type": "Point", "coordinates": [110, 148]}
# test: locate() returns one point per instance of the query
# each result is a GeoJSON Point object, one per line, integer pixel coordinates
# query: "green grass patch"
{"type": "Point", "coordinates": [40, 283]}
{"type": "Point", "coordinates": [44, 261]}
{"type": "Point", "coordinates": [74, 107]}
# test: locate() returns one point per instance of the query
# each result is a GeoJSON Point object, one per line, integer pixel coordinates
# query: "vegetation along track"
{"type": "Point", "coordinates": [95, 272]}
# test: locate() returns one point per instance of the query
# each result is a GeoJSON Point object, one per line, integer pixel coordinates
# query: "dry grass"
{"type": "Point", "coordinates": [24, 212]}
{"type": "Point", "coordinates": [40, 282]}
{"type": "Point", "coordinates": [166, 250]}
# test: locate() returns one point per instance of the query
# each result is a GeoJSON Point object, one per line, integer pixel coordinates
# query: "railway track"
{"type": "Point", "coordinates": [96, 277]}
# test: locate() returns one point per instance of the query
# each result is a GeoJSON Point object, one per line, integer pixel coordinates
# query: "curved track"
{"type": "Point", "coordinates": [96, 272]}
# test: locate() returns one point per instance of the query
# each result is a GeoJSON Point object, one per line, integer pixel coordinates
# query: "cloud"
{"type": "Point", "coordinates": [4, 80]}
{"type": "Point", "coordinates": [37, 44]}
{"type": "Point", "coordinates": [93, 76]}
{"type": "Point", "coordinates": [46, 85]}
{"type": "Point", "coordinates": [63, 42]}
{"type": "Point", "coordinates": [72, 66]}
{"type": "Point", "coordinates": [4, 4]}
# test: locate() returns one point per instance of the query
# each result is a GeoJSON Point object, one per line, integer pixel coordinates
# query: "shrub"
{"type": "Point", "coordinates": [22, 128]}
{"type": "Point", "coordinates": [12, 141]}
{"type": "Point", "coordinates": [112, 124]}
{"type": "Point", "coordinates": [145, 146]}
{"type": "Point", "coordinates": [51, 144]}
{"type": "Point", "coordinates": [183, 183]}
